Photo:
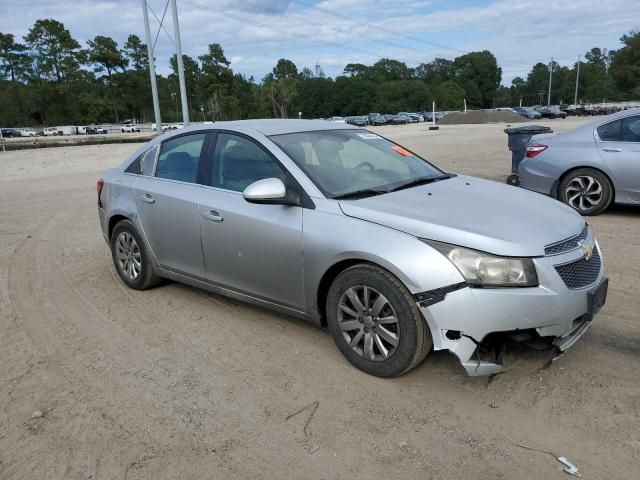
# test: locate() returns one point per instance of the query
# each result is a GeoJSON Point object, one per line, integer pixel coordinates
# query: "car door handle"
{"type": "Point", "coordinates": [148, 198]}
{"type": "Point", "coordinates": [213, 216]}
{"type": "Point", "coordinates": [612, 150]}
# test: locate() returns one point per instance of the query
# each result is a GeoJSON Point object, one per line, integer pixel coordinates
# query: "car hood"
{"type": "Point", "coordinates": [473, 213]}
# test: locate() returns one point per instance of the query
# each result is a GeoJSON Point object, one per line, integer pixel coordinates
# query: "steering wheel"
{"type": "Point", "coordinates": [358, 167]}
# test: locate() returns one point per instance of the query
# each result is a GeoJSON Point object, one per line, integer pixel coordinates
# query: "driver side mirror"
{"type": "Point", "coordinates": [271, 191]}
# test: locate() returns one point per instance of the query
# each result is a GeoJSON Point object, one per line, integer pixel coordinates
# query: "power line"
{"type": "Point", "coordinates": [320, 24]}
{"type": "Point", "coordinates": [161, 24]}
{"type": "Point", "coordinates": [278, 29]}
{"type": "Point", "coordinates": [371, 25]}
{"type": "Point", "coordinates": [158, 32]}
{"type": "Point", "coordinates": [388, 30]}
{"type": "Point", "coordinates": [275, 11]}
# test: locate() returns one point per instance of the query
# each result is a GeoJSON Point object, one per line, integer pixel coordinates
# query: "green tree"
{"type": "Point", "coordinates": [625, 66]}
{"type": "Point", "coordinates": [217, 79]}
{"type": "Point", "coordinates": [192, 76]}
{"type": "Point", "coordinates": [105, 56]}
{"type": "Point", "coordinates": [57, 55]}
{"type": "Point", "coordinates": [356, 69]}
{"type": "Point", "coordinates": [136, 53]}
{"type": "Point", "coordinates": [478, 73]}
{"type": "Point", "coordinates": [282, 86]}
{"type": "Point", "coordinates": [435, 72]}
{"type": "Point", "coordinates": [15, 60]}
{"type": "Point", "coordinates": [449, 96]}
{"type": "Point", "coordinates": [387, 69]}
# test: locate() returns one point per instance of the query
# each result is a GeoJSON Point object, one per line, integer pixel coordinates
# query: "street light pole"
{"type": "Point", "coordinates": [152, 68]}
{"type": "Point", "coordinates": [575, 97]}
{"type": "Point", "coordinates": [183, 88]}
{"type": "Point", "coordinates": [550, 76]}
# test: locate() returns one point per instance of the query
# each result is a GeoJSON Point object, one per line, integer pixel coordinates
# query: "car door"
{"type": "Point", "coordinates": [255, 249]}
{"type": "Point", "coordinates": [619, 147]}
{"type": "Point", "coordinates": [167, 202]}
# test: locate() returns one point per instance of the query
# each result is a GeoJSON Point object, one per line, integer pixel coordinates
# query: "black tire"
{"type": "Point", "coordinates": [413, 336]}
{"type": "Point", "coordinates": [146, 277]}
{"type": "Point", "coordinates": [571, 182]}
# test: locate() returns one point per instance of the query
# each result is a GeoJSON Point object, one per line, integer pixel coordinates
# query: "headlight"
{"type": "Point", "coordinates": [486, 270]}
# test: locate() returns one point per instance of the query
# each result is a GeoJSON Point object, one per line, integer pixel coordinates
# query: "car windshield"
{"type": "Point", "coordinates": [344, 163]}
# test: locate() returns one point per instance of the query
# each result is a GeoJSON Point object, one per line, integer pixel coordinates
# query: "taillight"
{"type": "Point", "coordinates": [535, 149]}
{"type": "Point", "coordinates": [99, 187]}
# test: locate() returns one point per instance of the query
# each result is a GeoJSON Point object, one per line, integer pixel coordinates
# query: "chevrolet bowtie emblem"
{"type": "Point", "coordinates": [587, 250]}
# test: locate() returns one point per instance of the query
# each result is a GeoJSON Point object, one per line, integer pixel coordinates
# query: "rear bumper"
{"type": "Point", "coordinates": [466, 317]}
{"type": "Point", "coordinates": [538, 176]}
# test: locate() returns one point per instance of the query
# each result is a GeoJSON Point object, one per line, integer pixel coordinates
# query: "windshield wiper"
{"type": "Point", "coordinates": [420, 181]}
{"type": "Point", "coordinates": [365, 192]}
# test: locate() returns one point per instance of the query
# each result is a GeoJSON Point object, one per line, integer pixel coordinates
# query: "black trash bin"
{"type": "Point", "coordinates": [518, 139]}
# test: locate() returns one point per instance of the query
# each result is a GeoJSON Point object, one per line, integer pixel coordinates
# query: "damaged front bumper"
{"type": "Point", "coordinates": [463, 319]}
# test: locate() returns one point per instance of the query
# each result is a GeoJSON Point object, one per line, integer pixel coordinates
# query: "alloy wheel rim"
{"type": "Point", "coordinates": [128, 256]}
{"type": "Point", "coordinates": [368, 323]}
{"type": "Point", "coordinates": [584, 193]}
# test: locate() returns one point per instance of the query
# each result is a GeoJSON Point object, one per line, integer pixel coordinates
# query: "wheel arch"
{"type": "Point", "coordinates": [332, 273]}
{"type": "Point", "coordinates": [113, 221]}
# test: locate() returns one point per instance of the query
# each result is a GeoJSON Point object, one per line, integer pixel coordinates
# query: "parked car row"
{"type": "Point", "coordinates": [562, 111]}
{"type": "Point", "coordinates": [166, 126]}
{"type": "Point", "coordinates": [376, 119]}
{"type": "Point", "coordinates": [18, 132]}
{"type": "Point", "coordinates": [583, 111]}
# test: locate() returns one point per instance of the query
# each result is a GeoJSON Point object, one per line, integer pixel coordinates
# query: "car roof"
{"type": "Point", "coordinates": [273, 126]}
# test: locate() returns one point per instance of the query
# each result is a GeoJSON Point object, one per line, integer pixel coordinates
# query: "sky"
{"type": "Point", "coordinates": [256, 33]}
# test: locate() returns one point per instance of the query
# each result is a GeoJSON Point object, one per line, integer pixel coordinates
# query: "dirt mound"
{"type": "Point", "coordinates": [481, 116]}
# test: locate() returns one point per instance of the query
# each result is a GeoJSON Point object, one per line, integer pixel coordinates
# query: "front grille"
{"type": "Point", "coordinates": [581, 273]}
{"type": "Point", "coordinates": [566, 245]}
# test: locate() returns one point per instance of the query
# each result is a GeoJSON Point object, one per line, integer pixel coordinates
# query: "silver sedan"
{"type": "Point", "coordinates": [346, 229]}
{"type": "Point", "coordinates": [590, 167]}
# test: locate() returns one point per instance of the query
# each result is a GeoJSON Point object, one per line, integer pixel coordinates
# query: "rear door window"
{"type": "Point", "coordinates": [623, 130]}
{"type": "Point", "coordinates": [143, 165]}
{"type": "Point", "coordinates": [179, 158]}
{"type": "Point", "coordinates": [610, 132]}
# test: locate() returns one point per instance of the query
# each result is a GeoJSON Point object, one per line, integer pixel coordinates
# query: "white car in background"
{"type": "Point", "coordinates": [165, 127]}
{"type": "Point", "coordinates": [26, 132]}
{"type": "Point", "coordinates": [50, 131]}
{"type": "Point", "coordinates": [130, 128]}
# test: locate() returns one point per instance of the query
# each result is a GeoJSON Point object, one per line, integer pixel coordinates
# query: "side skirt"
{"type": "Point", "coordinates": [226, 292]}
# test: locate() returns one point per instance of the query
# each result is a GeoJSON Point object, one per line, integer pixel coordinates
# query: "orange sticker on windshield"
{"type": "Point", "coordinates": [402, 151]}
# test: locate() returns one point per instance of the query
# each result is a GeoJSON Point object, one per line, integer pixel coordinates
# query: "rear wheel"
{"type": "Point", "coordinates": [131, 258]}
{"type": "Point", "coordinates": [375, 322]}
{"type": "Point", "coordinates": [586, 190]}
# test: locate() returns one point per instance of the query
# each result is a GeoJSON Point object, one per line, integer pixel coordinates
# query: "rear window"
{"type": "Point", "coordinates": [623, 130]}
{"type": "Point", "coordinates": [143, 165]}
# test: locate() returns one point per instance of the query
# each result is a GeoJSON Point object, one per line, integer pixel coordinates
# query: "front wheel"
{"type": "Point", "coordinates": [587, 191]}
{"type": "Point", "coordinates": [375, 322]}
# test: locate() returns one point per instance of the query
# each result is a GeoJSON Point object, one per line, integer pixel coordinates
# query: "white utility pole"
{"type": "Point", "coordinates": [183, 87]}
{"type": "Point", "coordinates": [152, 68]}
{"type": "Point", "coordinates": [433, 113]}
{"type": "Point", "coordinates": [465, 106]}
{"type": "Point", "coordinates": [575, 97]}
{"type": "Point", "coordinates": [550, 76]}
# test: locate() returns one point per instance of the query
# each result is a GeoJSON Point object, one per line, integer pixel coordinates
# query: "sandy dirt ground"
{"type": "Point", "coordinates": [101, 382]}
